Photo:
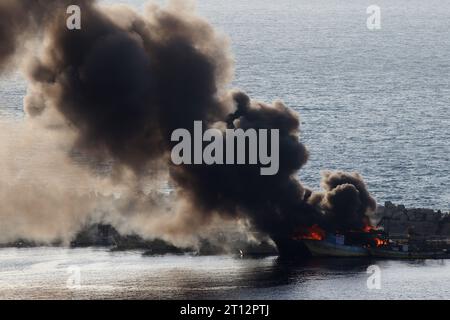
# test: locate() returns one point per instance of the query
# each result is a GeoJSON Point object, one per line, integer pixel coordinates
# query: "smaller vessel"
{"type": "Point", "coordinates": [403, 252]}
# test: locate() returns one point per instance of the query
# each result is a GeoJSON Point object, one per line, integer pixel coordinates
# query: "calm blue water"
{"type": "Point", "coordinates": [377, 102]}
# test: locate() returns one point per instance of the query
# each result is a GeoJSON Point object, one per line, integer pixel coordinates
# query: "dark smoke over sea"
{"type": "Point", "coordinates": [124, 82]}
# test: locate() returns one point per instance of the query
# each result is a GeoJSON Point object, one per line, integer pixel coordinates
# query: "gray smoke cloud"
{"type": "Point", "coordinates": [124, 82]}
{"type": "Point", "coordinates": [20, 19]}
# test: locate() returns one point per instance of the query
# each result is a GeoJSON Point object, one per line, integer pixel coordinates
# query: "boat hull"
{"type": "Point", "coordinates": [391, 254]}
{"type": "Point", "coordinates": [322, 248]}
{"type": "Point", "coordinates": [291, 249]}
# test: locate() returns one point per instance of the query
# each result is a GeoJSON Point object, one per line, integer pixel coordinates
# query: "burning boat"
{"type": "Point", "coordinates": [349, 244]}
{"type": "Point", "coordinates": [334, 246]}
{"type": "Point", "coordinates": [369, 242]}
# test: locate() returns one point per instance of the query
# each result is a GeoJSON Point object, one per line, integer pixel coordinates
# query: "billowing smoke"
{"type": "Point", "coordinates": [19, 19]}
{"type": "Point", "coordinates": [274, 204]}
{"type": "Point", "coordinates": [345, 200]}
{"type": "Point", "coordinates": [125, 81]}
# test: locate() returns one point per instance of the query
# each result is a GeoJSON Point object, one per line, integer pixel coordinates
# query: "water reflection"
{"type": "Point", "coordinates": [40, 273]}
{"type": "Point", "coordinates": [275, 277]}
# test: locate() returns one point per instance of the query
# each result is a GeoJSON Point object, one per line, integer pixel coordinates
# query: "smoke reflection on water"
{"type": "Point", "coordinates": [41, 273]}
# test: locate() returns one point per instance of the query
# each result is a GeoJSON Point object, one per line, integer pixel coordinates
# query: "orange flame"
{"type": "Point", "coordinates": [379, 242]}
{"type": "Point", "coordinates": [311, 233]}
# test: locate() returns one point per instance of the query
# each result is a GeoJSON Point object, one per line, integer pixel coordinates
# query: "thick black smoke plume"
{"type": "Point", "coordinates": [125, 81]}
{"type": "Point", "coordinates": [345, 201]}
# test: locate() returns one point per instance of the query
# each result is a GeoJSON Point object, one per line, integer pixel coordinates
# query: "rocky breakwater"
{"type": "Point", "coordinates": [402, 221]}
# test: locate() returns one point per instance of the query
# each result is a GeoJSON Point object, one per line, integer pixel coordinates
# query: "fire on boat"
{"type": "Point", "coordinates": [369, 242]}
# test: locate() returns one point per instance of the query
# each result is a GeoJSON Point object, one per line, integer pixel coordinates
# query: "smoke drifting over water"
{"type": "Point", "coordinates": [113, 93]}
